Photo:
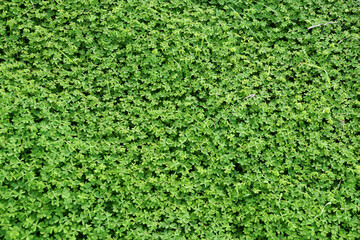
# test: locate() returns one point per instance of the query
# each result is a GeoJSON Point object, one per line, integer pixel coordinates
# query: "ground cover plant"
{"type": "Point", "coordinates": [148, 119]}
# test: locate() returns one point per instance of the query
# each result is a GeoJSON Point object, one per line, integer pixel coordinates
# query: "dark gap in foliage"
{"type": "Point", "coordinates": [58, 88]}
{"type": "Point", "coordinates": [49, 188]}
{"type": "Point", "coordinates": [2, 59]}
{"type": "Point", "coordinates": [80, 235]}
{"type": "Point", "coordinates": [238, 228]}
{"type": "Point", "coordinates": [112, 232]}
{"type": "Point", "coordinates": [177, 173]}
{"type": "Point", "coordinates": [109, 206]}
{"type": "Point", "coordinates": [191, 169]}
{"type": "Point", "coordinates": [7, 31]}
{"type": "Point", "coordinates": [37, 118]}
{"type": "Point", "coordinates": [345, 226]}
{"type": "Point", "coordinates": [357, 187]}
{"type": "Point", "coordinates": [25, 154]}
{"type": "Point", "coordinates": [24, 39]}
{"type": "Point", "coordinates": [84, 179]}
{"type": "Point", "coordinates": [238, 168]}
{"type": "Point", "coordinates": [73, 124]}
{"type": "Point", "coordinates": [269, 99]}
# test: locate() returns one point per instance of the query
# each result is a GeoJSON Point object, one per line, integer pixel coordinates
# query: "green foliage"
{"type": "Point", "coordinates": [217, 119]}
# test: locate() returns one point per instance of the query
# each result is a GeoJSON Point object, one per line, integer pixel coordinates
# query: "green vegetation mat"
{"type": "Point", "coordinates": [181, 119]}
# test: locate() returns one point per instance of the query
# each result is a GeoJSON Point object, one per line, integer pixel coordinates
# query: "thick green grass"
{"type": "Point", "coordinates": [179, 119]}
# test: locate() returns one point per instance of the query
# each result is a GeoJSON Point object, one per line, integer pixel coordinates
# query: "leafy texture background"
{"type": "Point", "coordinates": [179, 119]}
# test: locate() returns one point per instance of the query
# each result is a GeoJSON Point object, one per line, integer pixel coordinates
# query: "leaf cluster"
{"type": "Point", "coordinates": [179, 119]}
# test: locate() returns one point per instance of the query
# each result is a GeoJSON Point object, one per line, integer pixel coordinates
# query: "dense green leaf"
{"type": "Point", "coordinates": [216, 119]}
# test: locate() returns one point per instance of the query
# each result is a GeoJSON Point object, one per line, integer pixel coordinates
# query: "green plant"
{"type": "Point", "coordinates": [179, 119]}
